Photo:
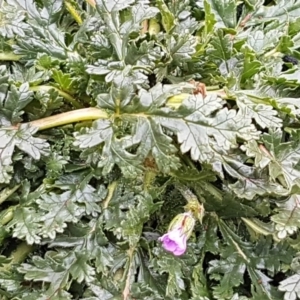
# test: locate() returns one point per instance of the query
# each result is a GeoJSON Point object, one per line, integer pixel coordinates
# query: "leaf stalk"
{"type": "Point", "coordinates": [46, 88]}
{"type": "Point", "coordinates": [9, 56]}
{"type": "Point", "coordinates": [7, 192]}
{"type": "Point", "coordinates": [18, 256]}
{"type": "Point", "coordinates": [84, 114]}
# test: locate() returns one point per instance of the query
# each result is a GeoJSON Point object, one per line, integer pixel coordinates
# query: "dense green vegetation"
{"type": "Point", "coordinates": [117, 117]}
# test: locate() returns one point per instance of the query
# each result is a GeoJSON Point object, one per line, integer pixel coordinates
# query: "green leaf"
{"type": "Point", "coordinates": [152, 139]}
{"type": "Point", "coordinates": [224, 12]}
{"type": "Point", "coordinates": [49, 101]}
{"type": "Point", "coordinates": [114, 150]}
{"type": "Point", "coordinates": [281, 11]}
{"type": "Point", "coordinates": [12, 19]}
{"type": "Point", "coordinates": [286, 218]}
{"type": "Point", "coordinates": [80, 269]}
{"type": "Point", "coordinates": [264, 115]}
{"type": "Point", "coordinates": [21, 138]}
{"type": "Point", "coordinates": [16, 100]}
{"type": "Point", "coordinates": [261, 40]}
{"type": "Point", "coordinates": [182, 48]}
{"type": "Point", "coordinates": [64, 81]}
{"type": "Point", "coordinates": [166, 264]}
{"type": "Point", "coordinates": [117, 33]}
{"type": "Point", "coordinates": [25, 225]}
{"type": "Point", "coordinates": [195, 127]}
{"type": "Point", "coordinates": [232, 270]}
{"type": "Point", "coordinates": [284, 158]}
{"type": "Point", "coordinates": [58, 209]}
{"type": "Point", "coordinates": [13, 100]}
{"type": "Point", "coordinates": [132, 225]}
{"type": "Point", "coordinates": [250, 183]}
{"type": "Point", "coordinates": [55, 270]}
{"type": "Point", "coordinates": [220, 50]}
{"type": "Point", "coordinates": [210, 19]}
{"type": "Point", "coordinates": [211, 102]}
{"type": "Point", "coordinates": [251, 65]}
{"type": "Point", "coordinates": [168, 19]}
{"type": "Point", "coordinates": [99, 293]}
{"type": "Point", "coordinates": [291, 287]}
{"type": "Point", "coordinates": [48, 38]}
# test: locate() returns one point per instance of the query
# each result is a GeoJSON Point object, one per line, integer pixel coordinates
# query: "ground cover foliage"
{"type": "Point", "coordinates": [100, 123]}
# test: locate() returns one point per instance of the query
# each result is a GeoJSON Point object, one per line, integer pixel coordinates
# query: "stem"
{"type": "Point", "coordinates": [111, 189]}
{"type": "Point", "coordinates": [210, 188]}
{"type": "Point", "coordinates": [126, 291]}
{"type": "Point", "coordinates": [72, 10]}
{"type": "Point", "coordinates": [272, 53]}
{"type": "Point", "coordinates": [213, 88]}
{"type": "Point", "coordinates": [10, 56]}
{"type": "Point", "coordinates": [258, 229]}
{"type": "Point", "coordinates": [149, 177]}
{"type": "Point", "coordinates": [239, 250]}
{"type": "Point", "coordinates": [186, 192]}
{"type": "Point", "coordinates": [7, 215]}
{"type": "Point", "coordinates": [78, 115]}
{"type": "Point", "coordinates": [46, 88]}
{"type": "Point", "coordinates": [221, 93]}
{"type": "Point", "coordinates": [5, 193]}
{"type": "Point", "coordinates": [18, 256]}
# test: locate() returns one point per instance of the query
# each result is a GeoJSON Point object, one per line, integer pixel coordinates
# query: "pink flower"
{"type": "Point", "coordinates": [174, 241]}
{"type": "Point", "coordinates": [180, 229]}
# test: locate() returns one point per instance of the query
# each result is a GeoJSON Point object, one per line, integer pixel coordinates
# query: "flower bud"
{"type": "Point", "coordinates": [178, 233]}
{"type": "Point", "coordinates": [154, 27]}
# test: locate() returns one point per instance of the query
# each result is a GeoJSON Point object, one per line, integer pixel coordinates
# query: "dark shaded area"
{"type": "Point", "coordinates": [288, 59]}
{"type": "Point", "coordinates": [239, 11]}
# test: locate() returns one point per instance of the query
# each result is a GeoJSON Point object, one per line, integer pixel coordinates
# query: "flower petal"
{"type": "Point", "coordinates": [179, 251]}
{"type": "Point", "coordinates": [178, 237]}
{"type": "Point", "coordinates": [168, 244]}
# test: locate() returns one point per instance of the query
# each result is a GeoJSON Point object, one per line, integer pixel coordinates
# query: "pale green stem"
{"type": "Point", "coordinates": [46, 88]}
{"type": "Point", "coordinates": [149, 177]}
{"type": "Point", "coordinates": [72, 10]}
{"type": "Point", "coordinates": [111, 189]}
{"type": "Point", "coordinates": [273, 52]}
{"type": "Point", "coordinates": [258, 229]}
{"type": "Point", "coordinates": [18, 256]}
{"type": "Point", "coordinates": [130, 272]}
{"type": "Point", "coordinates": [78, 115]}
{"type": "Point", "coordinates": [9, 56]}
{"type": "Point", "coordinates": [5, 193]}
{"type": "Point", "coordinates": [7, 215]}
{"type": "Point", "coordinates": [213, 88]}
